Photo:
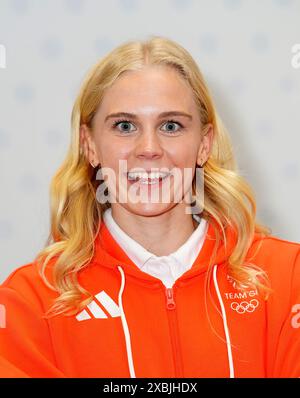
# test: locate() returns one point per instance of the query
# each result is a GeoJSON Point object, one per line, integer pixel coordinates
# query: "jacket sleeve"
{"type": "Point", "coordinates": [287, 360]}
{"type": "Point", "coordinates": [25, 342]}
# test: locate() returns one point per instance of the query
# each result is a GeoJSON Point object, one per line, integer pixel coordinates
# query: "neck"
{"type": "Point", "coordinates": [161, 234]}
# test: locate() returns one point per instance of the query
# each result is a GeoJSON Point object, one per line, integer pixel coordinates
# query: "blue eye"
{"type": "Point", "coordinates": [173, 122]}
{"type": "Point", "coordinates": [117, 122]}
{"type": "Point", "coordinates": [127, 122]}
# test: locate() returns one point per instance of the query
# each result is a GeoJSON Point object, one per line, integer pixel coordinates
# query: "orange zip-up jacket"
{"type": "Point", "coordinates": [136, 327]}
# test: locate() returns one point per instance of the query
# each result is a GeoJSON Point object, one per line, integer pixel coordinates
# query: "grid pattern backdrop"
{"type": "Point", "coordinates": [243, 47]}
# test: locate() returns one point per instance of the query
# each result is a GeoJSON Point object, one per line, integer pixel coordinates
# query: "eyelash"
{"type": "Point", "coordinates": [117, 122]}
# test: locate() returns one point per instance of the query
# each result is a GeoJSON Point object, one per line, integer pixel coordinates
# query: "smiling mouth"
{"type": "Point", "coordinates": [147, 178]}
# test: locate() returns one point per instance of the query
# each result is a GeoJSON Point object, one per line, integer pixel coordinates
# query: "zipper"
{"type": "Point", "coordinates": [174, 333]}
{"type": "Point", "coordinates": [170, 299]}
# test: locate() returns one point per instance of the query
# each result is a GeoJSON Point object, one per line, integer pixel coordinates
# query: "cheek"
{"type": "Point", "coordinates": [110, 152]}
{"type": "Point", "coordinates": [183, 156]}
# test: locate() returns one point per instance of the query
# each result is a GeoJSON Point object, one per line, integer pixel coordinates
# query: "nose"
{"type": "Point", "coordinates": [148, 146]}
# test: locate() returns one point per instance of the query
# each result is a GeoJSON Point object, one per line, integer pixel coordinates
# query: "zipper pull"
{"type": "Point", "coordinates": [170, 299]}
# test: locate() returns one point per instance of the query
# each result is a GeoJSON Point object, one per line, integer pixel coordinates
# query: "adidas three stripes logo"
{"type": "Point", "coordinates": [95, 310]}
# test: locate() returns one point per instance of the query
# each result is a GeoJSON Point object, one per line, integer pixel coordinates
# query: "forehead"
{"type": "Point", "coordinates": [155, 88]}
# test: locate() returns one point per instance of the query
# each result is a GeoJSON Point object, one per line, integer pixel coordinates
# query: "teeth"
{"type": "Point", "coordinates": [146, 176]}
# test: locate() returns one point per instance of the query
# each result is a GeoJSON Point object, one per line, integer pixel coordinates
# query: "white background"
{"type": "Point", "coordinates": [243, 48]}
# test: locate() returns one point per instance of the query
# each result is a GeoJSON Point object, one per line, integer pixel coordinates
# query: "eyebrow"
{"type": "Point", "coordinates": [163, 114]}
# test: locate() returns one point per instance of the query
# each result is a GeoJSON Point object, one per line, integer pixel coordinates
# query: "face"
{"type": "Point", "coordinates": [148, 140]}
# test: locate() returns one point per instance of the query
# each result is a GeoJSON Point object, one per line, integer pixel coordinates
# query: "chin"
{"type": "Point", "coordinates": [149, 209]}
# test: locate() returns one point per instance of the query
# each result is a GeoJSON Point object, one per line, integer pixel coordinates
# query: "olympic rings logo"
{"type": "Point", "coordinates": [244, 306]}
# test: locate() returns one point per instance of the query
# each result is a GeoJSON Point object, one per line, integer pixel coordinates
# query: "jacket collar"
{"type": "Point", "coordinates": [109, 254]}
{"type": "Point", "coordinates": [184, 256]}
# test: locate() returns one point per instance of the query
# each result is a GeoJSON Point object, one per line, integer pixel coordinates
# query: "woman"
{"type": "Point", "coordinates": [191, 286]}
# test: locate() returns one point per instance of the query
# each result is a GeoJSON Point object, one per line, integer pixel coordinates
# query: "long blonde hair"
{"type": "Point", "coordinates": [76, 215]}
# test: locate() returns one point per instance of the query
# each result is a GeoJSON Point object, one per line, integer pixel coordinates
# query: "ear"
{"type": "Point", "coordinates": [87, 145]}
{"type": "Point", "coordinates": [206, 144]}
